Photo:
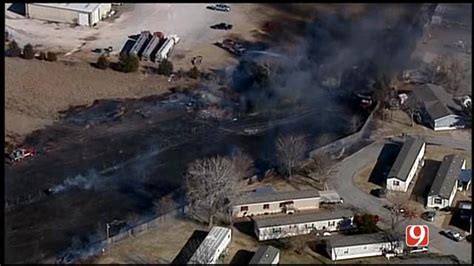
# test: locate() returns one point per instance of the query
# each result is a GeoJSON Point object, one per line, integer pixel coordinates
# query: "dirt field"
{"type": "Point", "coordinates": [35, 91]}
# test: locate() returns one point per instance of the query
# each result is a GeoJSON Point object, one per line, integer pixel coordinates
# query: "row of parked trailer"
{"type": "Point", "coordinates": [153, 47]}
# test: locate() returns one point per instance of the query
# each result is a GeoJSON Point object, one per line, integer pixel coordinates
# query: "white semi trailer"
{"type": "Point", "coordinates": [153, 47]}
{"type": "Point", "coordinates": [167, 48]}
{"type": "Point", "coordinates": [142, 40]}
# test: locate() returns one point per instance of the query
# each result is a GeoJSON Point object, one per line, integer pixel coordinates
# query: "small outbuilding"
{"type": "Point", "coordinates": [84, 14]}
{"type": "Point", "coordinates": [213, 246]}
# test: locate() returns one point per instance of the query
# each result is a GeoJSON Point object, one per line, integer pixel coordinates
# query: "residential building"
{"type": "Point", "coordinates": [282, 226]}
{"type": "Point", "coordinates": [405, 167]}
{"type": "Point", "coordinates": [268, 255]}
{"type": "Point", "coordinates": [213, 246]}
{"type": "Point", "coordinates": [445, 184]}
{"type": "Point", "coordinates": [252, 203]}
{"type": "Point", "coordinates": [437, 108]}
{"type": "Point", "coordinates": [361, 246]}
{"type": "Point", "coordinates": [84, 14]}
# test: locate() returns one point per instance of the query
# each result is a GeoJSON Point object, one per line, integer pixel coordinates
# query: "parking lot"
{"type": "Point", "coordinates": [191, 22]}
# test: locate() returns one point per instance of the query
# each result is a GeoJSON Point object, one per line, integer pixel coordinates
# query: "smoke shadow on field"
{"type": "Point", "coordinates": [190, 247]}
{"type": "Point", "coordinates": [384, 163]}
{"type": "Point", "coordinates": [19, 8]}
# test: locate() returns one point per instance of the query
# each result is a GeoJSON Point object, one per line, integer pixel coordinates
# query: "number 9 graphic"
{"type": "Point", "coordinates": [417, 235]}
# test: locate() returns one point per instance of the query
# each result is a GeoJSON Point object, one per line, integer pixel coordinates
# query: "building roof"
{"type": "Point", "coordinates": [320, 215]}
{"type": "Point", "coordinates": [465, 176]}
{"type": "Point", "coordinates": [253, 197]}
{"type": "Point", "coordinates": [355, 240]}
{"type": "Point", "coordinates": [207, 248]}
{"type": "Point", "coordinates": [437, 102]}
{"type": "Point", "coordinates": [446, 176]}
{"type": "Point", "coordinates": [405, 158]}
{"type": "Point", "coordinates": [264, 255]}
{"type": "Point", "coordinates": [80, 7]}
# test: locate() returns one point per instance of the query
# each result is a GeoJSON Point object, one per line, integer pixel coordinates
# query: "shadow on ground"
{"type": "Point", "coordinates": [384, 162]}
{"type": "Point", "coordinates": [424, 181]}
{"type": "Point", "coordinates": [19, 8]}
{"type": "Point", "coordinates": [190, 247]}
{"type": "Point", "coordinates": [242, 257]}
{"type": "Point", "coordinates": [245, 227]}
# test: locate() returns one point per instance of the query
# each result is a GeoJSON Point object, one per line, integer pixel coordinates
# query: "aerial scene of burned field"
{"type": "Point", "coordinates": [237, 133]}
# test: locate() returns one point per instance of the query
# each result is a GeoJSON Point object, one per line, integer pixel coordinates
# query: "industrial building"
{"type": "Point", "coordinates": [212, 247]}
{"type": "Point", "coordinates": [405, 167]}
{"type": "Point", "coordinates": [84, 14]}
{"type": "Point", "coordinates": [445, 184]}
{"type": "Point", "coordinates": [283, 226]}
{"type": "Point", "coordinates": [268, 255]}
{"type": "Point", "coordinates": [361, 246]}
{"type": "Point", "coordinates": [437, 108]}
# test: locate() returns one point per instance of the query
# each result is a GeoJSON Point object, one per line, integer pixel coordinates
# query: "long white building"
{"type": "Point", "coordinates": [84, 14]}
{"type": "Point", "coordinates": [283, 226]}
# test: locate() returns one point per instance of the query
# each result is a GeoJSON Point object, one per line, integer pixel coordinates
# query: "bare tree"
{"type": "Point", "coordinates": [163, 206]}
{"type": "Point", "coordinates": [243, 164]}
{"type": "Point", "coordinates": [400, 209]}
{"type": "Point", "coordinates": [300, 241]}
{"type": "Point", "coordinates": [211, 186]}
{"type": "Point", "coordinates": [290, 152]}
{"type": "Point", "coordinates": [449, 72]}
{"type": "Point", "coordinates": [319, 168]}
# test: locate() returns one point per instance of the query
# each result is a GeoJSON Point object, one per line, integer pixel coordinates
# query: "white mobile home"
{"type": "Point", "coordinates": [405, 167]}
{"type": "Point", "coordinates": [252, 203]}
{"type": "Point", "coordinates": [141, 43]}
{"type": "Point", "coordinates": [283, 226]}
{"type": "Point", "coordinates": [445, 184]}
{"type": "Point", "coordinates": [85, 14]}
{"type": "Point", "coordinates": [360, 246]}
{"type": "Point", "coordinates": [268, 255]}
{"type": "Point", "coordinates": [167, 47]}
{"type": "Point", "coordinates": [153, 46]}
{"type": "Point", "coordinates": [212, 247]}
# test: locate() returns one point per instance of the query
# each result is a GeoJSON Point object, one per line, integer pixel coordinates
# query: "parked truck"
{"type": "Point", "coordinates": [141, 43]}
{"type": "Point", "coordinates": [167, 47]}
{"type": "Point", "coordinates": [232, 46]}
{"type": "Point", "coordinates": [153, 47]}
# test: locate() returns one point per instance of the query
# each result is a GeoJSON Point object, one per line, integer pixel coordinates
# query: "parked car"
{"type": "Point", "coordinates": [222, 26]}
{"type": "Point", "coordinates": [418, 250]}
{"type": "Point", "coordinates": [456, 236]}
{"type": "Point", "coordinates": [428, 216]}
{"type": "Point", "coordinates": [379, 192]}
{"type": "Point", "coordinates": [219, 7]}
{"type": "Point", "coordinates": [20, 154]}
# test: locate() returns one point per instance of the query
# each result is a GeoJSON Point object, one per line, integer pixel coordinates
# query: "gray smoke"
{"type": "Point", "coordinates": [86, 182]}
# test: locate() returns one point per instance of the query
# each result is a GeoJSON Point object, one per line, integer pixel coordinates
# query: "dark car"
{"type": "Point", "coordinates": [428, 216]}
{"type": "Point", "coordinates": [456, 236]}
{"type": "Point", "coordinates": [222, 26]}
{"type": "Point", "coordinates": [378, 192]}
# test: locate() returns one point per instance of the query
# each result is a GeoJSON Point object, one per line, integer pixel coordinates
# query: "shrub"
{"type": "Point", "coordinates": [28, 52]}
{"type": "Point", "coordinates": [165, 67]}
{"type": "Point", "coordinates": [42, 56]}
{"type": "Point", "coordinates": [13, 49]}
{"type": "Point", "coordinates": [102, 62]}
{"type": "Point", "coordinates": [194, 73]}
{"type": "Point", "coordinates": [128, 63]}
{"type": "Point", "coordinates": [51, 57]}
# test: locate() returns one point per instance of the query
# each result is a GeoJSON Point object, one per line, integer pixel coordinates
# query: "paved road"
{"type": "Point", "coordinates": [342, 181]}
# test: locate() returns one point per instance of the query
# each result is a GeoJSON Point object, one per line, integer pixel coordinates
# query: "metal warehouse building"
{"type": "Point", "coordinates": [84, 14]}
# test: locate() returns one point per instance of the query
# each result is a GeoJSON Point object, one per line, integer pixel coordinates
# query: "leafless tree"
{"type": "Point", "coordinates": [243, 164]}
{"type": "Point", "coordinates": [290, 152]}
{"type": "Point", "coordinates": [411, 107]}
{"type": "Point", "coordinates": [319, 168]}
{"type": "Point", "coordinates": [211, 186]}
{"type": "Point", "coordinates": [450, 72]}
{"type": "Point", "coordinates": [400, 209]}
{"type": "Point", "coordinates": [163, 206]}
{"type": "Point", "coordinates": [300, 241]}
